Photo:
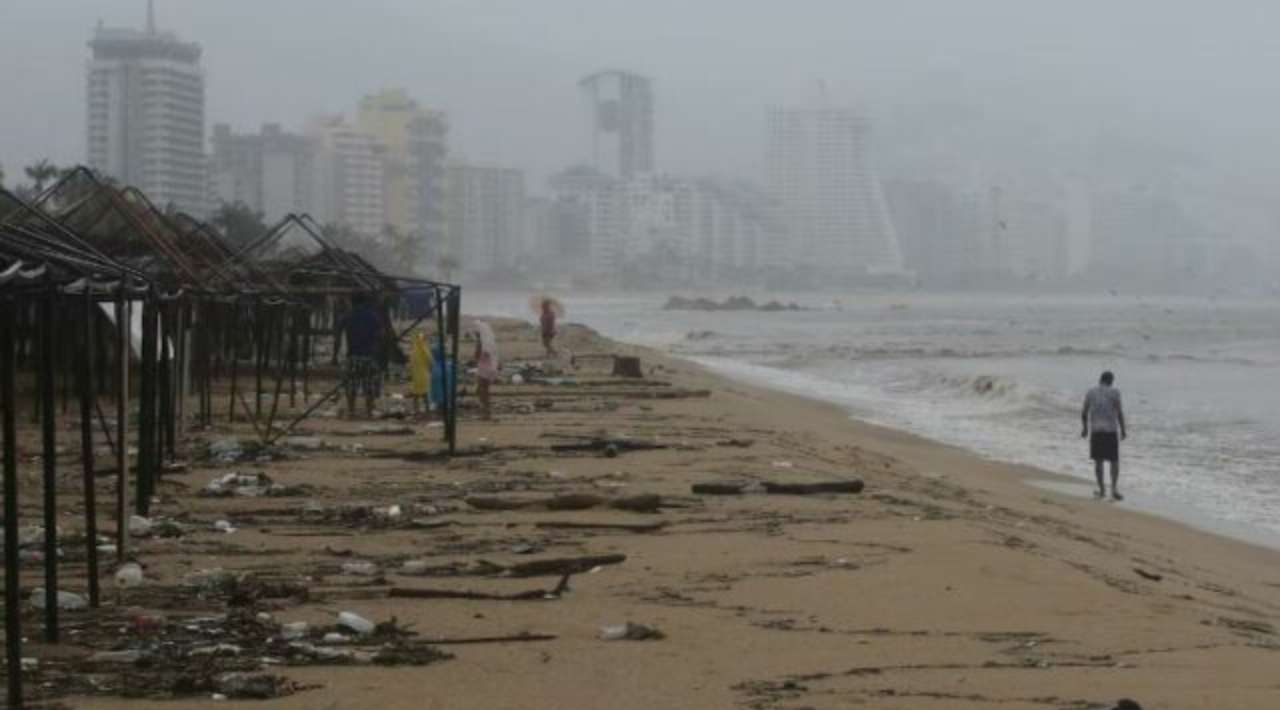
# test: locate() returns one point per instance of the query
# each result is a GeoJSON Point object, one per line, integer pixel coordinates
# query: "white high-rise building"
{"type": "Point", "coordinates": [828, 196]}
{"type": "Point", "coordinates": [350, 175]}
{"type": "Point", "coordinates": [272, 172]}
{"type": "Point", "coordinates": [145, 114]}
{"type": "Point", "coordinates": [485, 208]}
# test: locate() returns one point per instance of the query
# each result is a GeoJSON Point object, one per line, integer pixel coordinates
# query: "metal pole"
{"type": "Point", "coordinates": [12, 603]}
{"type": "Point", "coordinates": [86, 370]}
{"type": "Point", "coordinates": [147, 410]}
{"type": "Point", "coordinates": [451, 383]}
{"type": "Point", "coordinates": [122, 424]}
{"type": "Point", "coordinates": [49, 458]}
{"type": "Point", "coordinates": [235, 362]}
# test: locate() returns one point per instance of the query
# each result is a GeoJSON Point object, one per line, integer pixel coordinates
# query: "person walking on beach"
{"type": "Point", "coordinates": [547, 319]}
{"type": "Point", "coordinates": [1103, 424]}
{"type": "Point", "coordinates": [365, 332]}
{"type": "Point", "coordinates": [487, 367]}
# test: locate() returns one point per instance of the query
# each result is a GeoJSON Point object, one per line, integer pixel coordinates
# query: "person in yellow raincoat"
{"type": "Point", "coordinates": [420, 364]}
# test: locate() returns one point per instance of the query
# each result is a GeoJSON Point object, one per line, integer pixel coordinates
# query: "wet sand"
{"type": "Point", "coordinates": [948, 582]}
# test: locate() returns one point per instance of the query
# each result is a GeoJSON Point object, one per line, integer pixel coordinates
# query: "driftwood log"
{"type": "Point", "coordinates": [802, 489]}
{"type": "Point", "coordinates": [531, 595]}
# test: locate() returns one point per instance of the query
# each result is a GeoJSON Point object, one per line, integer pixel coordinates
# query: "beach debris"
{"type": "Point", "coordinates": [129, 575]}
{"type": "Point", "coordinates": [386, 429]}
{"type": "Point", "coordinates": [126, 656]}
{"type": "Point", "coordinates": [304, 443]}
{"type": "Point", "coordinates": [530, 595]}
{"type": "Point", "coordinates": [643, 503]}
{"type": "Point", "coordinates": [224, 526]}
{"type": "Point", "coordinates": [253, 686]}
{"type": "Point", "coordinates": [248, 485]}
{"type": "Point", "coordinates": [737, 443]}
{"type": "Point", "coordinates": [355, 622]}
{"type": "Point", "coordinates": [561, 566]}
{"type": "Point", "coordinates": [1152, 576]}
{"type": "Point", "coordinates": [718, 488]}
{"type": "Point", "coordinates": [603, 445]}
{"type": "Point", "coordinates": [294, 630]}
{"type": "Point", "coordinates": [360, 568]}
{"type": "Point", "coordinates": [335, 638]}
{"type": "Point", "coordinates": [783, 464]}
{"type": "Point", "coordinates": [800, 489]}
{"type": "Point", "coordinates": [630, 632]}
{"type": "Point", "coordinates": [1127, 704]}
{"type": "Point", "coordinates": [578, 525]}
{"type": "Point", "coordinates": [68, 601]}
{"type": "Point", "coordinates": [139, 526]}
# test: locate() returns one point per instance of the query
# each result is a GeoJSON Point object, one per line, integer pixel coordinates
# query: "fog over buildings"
{"type": "Point", "coordinates": [931, 144]}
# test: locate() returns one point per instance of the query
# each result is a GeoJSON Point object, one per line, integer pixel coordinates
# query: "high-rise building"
{"type": "Point", "coordinates": [350, 176]}
{"type": "Point", "coordinates": [272, 172]}
{"type": "Point", "coordinates": [829, 199]}
{"type": "Point", "coordinates": [414, 161]}
{"type": "Point", "coordinates": [486, 219]}
{"type": "Point", "coordinates": [145, 114]}
{"type": "Point", "coordinates": [620, 111]}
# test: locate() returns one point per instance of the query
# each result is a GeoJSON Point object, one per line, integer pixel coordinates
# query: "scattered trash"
{"type": "Point", "coordinates": [333, 637]}
{"type": "Point", "coordinates": [69, 601]}
{"type": "Point", "coordinates": [139, 526]}
{"type": "Point", "coordinates": [127, 656]}
{"type": "Point", "coordinates": [224, 526]}
{"type": "Point", "coordinates": [387, 429]}
{"type": "Point", "coordinates": [294, 630]}
{"type": "Point", "coordinates": [355, 622]}
{"type": "Point", "coordinates": [1152, 576]}
{"type": "Point", "coordinates": [360, 569]}
{"type": "Point", "coordinates": [253, 686]}
{"type": "Point", "coordinates": [1127, 704]}
{"type": "Point", "coordinates": [304, 443]}
{"type": "Point", "coordinates": [129, 575]}
{"type": "Point", "coordinates": [630, 632]}
{"type": "Point", "coordinates": [718, 488]}
{"type": "Point", "coordinates": [415, 567]}
{"type": "Point", "coordinates": [800, 489]}
{"type": "Point", "coordinates": [249, 485]}
{"type": "Point", "coordinates": [783, 464]}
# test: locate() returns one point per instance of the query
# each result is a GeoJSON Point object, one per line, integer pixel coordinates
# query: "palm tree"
{"type": "Point", "coordinates": [41, 173]}
{"type": "Point", "coordinates": [239, 223]}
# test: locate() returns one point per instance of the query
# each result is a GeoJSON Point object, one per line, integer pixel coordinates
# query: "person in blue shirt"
{"type": "Point", "coordinates": [364, 329]}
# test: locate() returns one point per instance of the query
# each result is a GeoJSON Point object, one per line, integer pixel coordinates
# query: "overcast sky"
{"type": "Point", "coordinates": [1196, 76]}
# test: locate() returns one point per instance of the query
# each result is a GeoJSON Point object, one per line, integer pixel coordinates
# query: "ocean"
{"type": "Point", "coordinates": [1005, 376]}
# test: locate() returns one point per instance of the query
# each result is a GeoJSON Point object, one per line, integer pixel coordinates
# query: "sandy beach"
{"type": "Point", "coordinates": [947, 582]}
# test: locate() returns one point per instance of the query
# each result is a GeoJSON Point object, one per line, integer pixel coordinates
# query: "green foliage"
{"type": "Point", "coordinates": [239, 223]}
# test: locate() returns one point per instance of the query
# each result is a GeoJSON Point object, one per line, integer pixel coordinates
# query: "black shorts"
{"type": "Point", "coordinates": [1104, 446]}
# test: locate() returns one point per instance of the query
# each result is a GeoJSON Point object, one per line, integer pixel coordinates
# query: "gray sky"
{"type": "Point", "coordinates": [1193, 76]}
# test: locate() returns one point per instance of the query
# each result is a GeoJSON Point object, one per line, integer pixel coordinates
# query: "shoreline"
{"type": "Point", "coordinates": [1041, 478]}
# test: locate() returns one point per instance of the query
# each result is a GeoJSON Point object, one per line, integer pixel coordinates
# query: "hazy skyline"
{"type": "Point", "coordinates": [505, 70]}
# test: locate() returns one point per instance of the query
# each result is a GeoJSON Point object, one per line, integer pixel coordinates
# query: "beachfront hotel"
{"type": "Point", "coordinates": [145, 114]}
{"type": "Point", "coordinates": [828, 196]}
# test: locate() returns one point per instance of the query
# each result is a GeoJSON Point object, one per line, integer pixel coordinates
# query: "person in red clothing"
{"type": "Point", "coordinates": [548, 322]}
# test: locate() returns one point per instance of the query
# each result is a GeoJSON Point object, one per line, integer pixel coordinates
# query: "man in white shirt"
{"type": "Point", "coordinates": [1103, 424]}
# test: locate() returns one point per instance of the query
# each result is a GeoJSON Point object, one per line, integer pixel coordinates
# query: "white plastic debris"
{"type": "Point", "coordinates": [139, 526]}
{"type": "Point", "coordinates": [360, 569]}
{"type": "Point", "coordinates": [129, 575]}
{"type": "Point", "coordinates": [294, 630]}
{"type": "Point", "coordinates": [414, 567]}
{"type": "Point", "coordinates": [224, 526]}
{"type": "Point", "coordinates": [335, 638]}
{"type": "Point", "coordinates": [127, 656]}
{"type": "Point", "coordinates": [613, 633]}
{"type": "Point", "coordinates": [69, 601]}
{"type": "Point", "coordinates": [355, 622]}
